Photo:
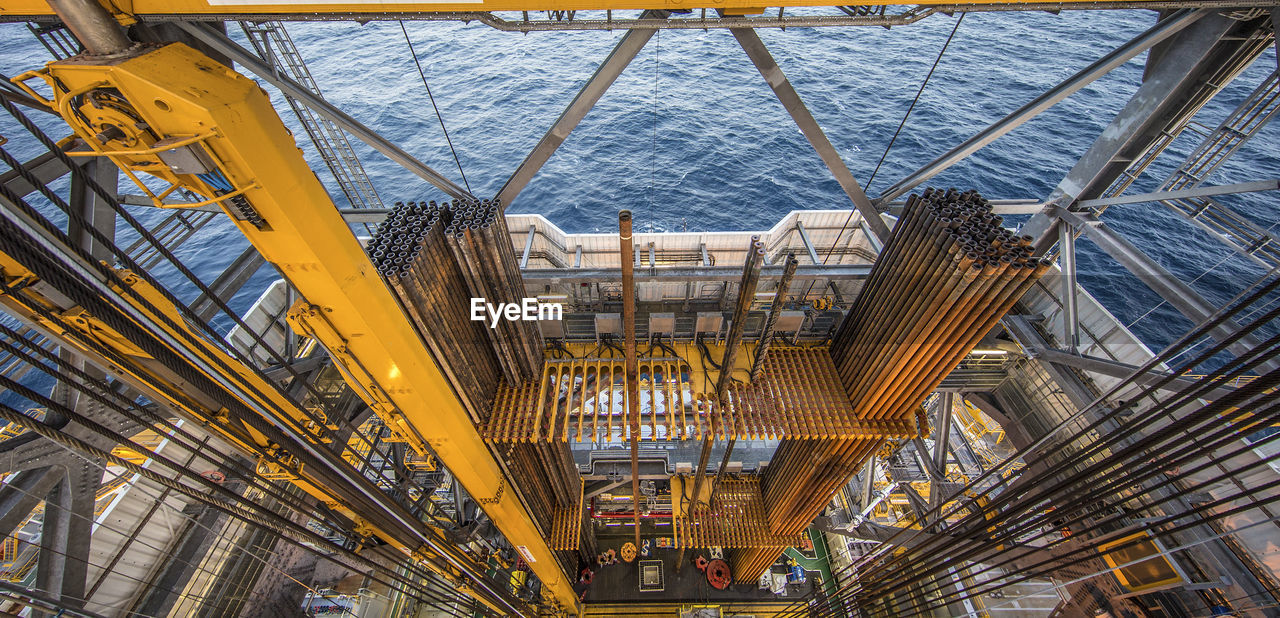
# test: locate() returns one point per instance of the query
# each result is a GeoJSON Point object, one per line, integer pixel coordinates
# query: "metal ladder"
{"type": "Point", "coordinates": [57, 39]}
{"type": "Point", "coordinates": [1230, 227]}
{"type": "Point", "coordinates": [272, 43]}
{"type": "Point", "coordinates": [1256, 42]}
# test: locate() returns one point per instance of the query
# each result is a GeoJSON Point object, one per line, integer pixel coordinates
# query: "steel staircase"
{"type": "Point", "coordinates": [272, 43]}
{"type": "Point", "coordinates": [1219, 144]}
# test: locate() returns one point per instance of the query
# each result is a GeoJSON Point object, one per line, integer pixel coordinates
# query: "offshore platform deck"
{"type": "Point", "coordinates": [898, 405]}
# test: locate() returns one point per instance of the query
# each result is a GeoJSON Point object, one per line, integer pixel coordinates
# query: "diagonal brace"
{"type": "Point", "coordinates": [760, 56]}
{"type": "Point", "coordinates": [608, 71]}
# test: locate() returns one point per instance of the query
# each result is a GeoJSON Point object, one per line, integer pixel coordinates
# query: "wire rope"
{"type": "Point", "coordinates": [439, 116]}
{"type": "Point", "coordinates": [867, 187]}
{"type": "Point", "coordinates": [653, 154]}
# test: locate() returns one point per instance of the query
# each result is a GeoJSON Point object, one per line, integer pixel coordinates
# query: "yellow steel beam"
{"type": "Point", "coordinates": [159, 382]}
{"type": "Point", "coordinates": [228, 126]}
{"type": "Point", "coordinates": [125, 9]}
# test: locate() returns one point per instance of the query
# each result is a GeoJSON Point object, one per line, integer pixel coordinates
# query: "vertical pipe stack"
{"type": "Point", "coordinates": [412, 255]}
{"type": "Point", "coordinates": [436, 258]}
{"type": "Point", "coordinates": [627, 258]}
{"type": "Point", "coordinates": [746, 296]}
{"type": "Point", "coordinates": [481, 243]}
{"type": "Point", "coordinates": [775, 310]}
{"type": "Point", "coordinates": [737, 326]}
{"type": "Point", "coordinates": [947, 275]}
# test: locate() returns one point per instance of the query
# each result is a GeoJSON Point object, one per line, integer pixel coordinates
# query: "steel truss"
{"type": "Point", "coordinates": [769, 17]}
{"type": "Point", "coordinates": [1194, 44]}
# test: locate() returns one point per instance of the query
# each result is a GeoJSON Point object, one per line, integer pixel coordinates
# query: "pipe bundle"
{"type": "Point", "coordinates": [481, 243]}
{"type": "Point", "coordinates": [436, 258]}
{"type": "Point", "coordinates": [548, 479]}
{"type": "Point", "coordinates": [413, 256]}
{"type": "Point", "coordinates": [947, 275]}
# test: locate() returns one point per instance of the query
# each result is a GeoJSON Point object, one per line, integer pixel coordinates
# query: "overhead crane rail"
{"type": "Point", "coordinates": [567, 14]}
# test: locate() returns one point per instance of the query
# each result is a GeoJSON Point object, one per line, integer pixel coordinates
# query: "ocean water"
{"type": "Point", "coordinates": [691, 138]}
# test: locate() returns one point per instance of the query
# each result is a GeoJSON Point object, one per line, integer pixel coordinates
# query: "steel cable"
{"type": "Point", "coordinates": [1204, 386]}
{"type": "Point", "coordinates": [1099, 446]}
{"type": "Point", "coordinates": [434, 106]}
{"type": "Point", "coordinates": [1223, 314]}
{"type": "Point", "coordinates": [64, 282]}
{"type": "Point", "coordinates": [145, 234]}
{"type": "Point", "coordinates": [268, 520]}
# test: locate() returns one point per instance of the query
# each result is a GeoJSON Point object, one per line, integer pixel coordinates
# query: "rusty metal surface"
{"type": "Point", "coordinates": [798, 396]}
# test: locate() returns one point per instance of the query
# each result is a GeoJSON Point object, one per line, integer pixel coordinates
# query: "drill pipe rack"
{"type": "Point", "coordinates": [798, 396]}
{"type": "Point", "coordinates": [736, 519]}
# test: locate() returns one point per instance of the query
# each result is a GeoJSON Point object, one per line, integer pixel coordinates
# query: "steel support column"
{"type": "Point", "coordinates": [941, 443]}
{"type": "Point", "coordinates": [868, 482]}
{"type": "Point", "coordinates": [249, 60]}
{"type": "Point", "coordinates": [1177, 194]}
{"type": "Point", "coordinates": [760, 56]}
{"type": "Point", "coordinates": [608, 71]}
{"type": "Point", "coordinates": [808, 244]}
{"type": "Point", "coordinates": [1116, 369]}
{"type": "Point", "coordinates": [1166, 28]}
{"type": "Point", "coordinates": [63, 565]}
{"type": "Point", "coordinates": [46, 167]}
{"type": "Point", "coordinates": [1179, 295]}
{"type": "Point", "coordinates": [95, 210]}
{"type": "Point", "coordinates": [24, 492]}
{"type": "Point", "coordinates": [1070, 309]}
{"type": "Point", "coordinates": [1275, 27]}
{"type": "Point", "coordinates": [1175, 72]}
{"type": "Point", "coordinates": [229, 282]}
{"type": "Point", "coordinates": [1217, 553]}
{"type": "Point", "coordinates": [197, 537]}
{"type": "Point", "coordinates": [1018, 558]}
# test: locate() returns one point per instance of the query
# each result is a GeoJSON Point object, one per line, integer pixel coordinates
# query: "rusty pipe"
{"type": "Point", "coordinates": [93, 26]}
{"type": "Point", "coordinates": [779, 296]}
{"type": "Point", "coordinates": [626, 254]}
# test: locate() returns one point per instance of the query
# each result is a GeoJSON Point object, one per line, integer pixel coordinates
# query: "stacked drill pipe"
{"type": "Point", "coordinates": [412, 255]}
{"type": "Point", "coordinates": [735, 521]}
{"type": "Point", "coordinates": [733, 341]}
{"type": "Point", "coordinates": [775, 310]}
{"type": "Point", "coordinates": [481, 243]}
{"type": "Point", "coordinates": [946, 276]}
{"type": "Point", "coordinates": [436, 258]}
{"type": "Point", "coordinates": [746, 295]}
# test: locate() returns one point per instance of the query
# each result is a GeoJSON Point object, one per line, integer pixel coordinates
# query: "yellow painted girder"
{"type": "Point", "coordinates": [179, 92]}
{"type": "Point", "coordinates": [127, 8]}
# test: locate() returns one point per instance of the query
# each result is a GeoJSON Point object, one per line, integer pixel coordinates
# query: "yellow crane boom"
{"type": "Point", "coordinates": [177, 115]}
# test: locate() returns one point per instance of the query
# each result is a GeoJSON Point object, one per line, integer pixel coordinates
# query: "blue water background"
{"type": "Point", "coordinates": [691, 138]}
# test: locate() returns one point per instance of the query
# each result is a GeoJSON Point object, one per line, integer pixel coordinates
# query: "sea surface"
{"type": "Point", "coordinates": [691, 138]}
